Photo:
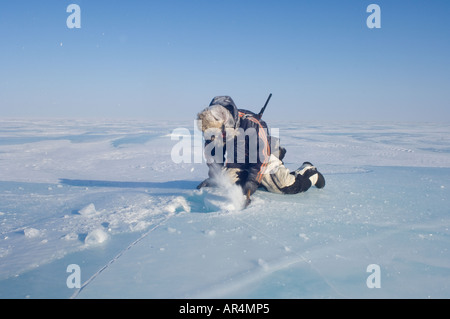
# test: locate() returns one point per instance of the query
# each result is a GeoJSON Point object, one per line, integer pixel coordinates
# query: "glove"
{"type": "Point", "coordinates": [249, 186]}
{"type": "Point", "coordinates": [206, 183]}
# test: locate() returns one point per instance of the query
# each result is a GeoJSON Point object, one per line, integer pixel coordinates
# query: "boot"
{"type": "Point", "coordinates": [309, 171]}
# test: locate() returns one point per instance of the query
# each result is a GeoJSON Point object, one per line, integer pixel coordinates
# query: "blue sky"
{"type": "Point", "coordinates": [168, 59]}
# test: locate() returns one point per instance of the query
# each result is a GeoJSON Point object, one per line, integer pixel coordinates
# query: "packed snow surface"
{"type": "Point", "coordinates": [108, 196]}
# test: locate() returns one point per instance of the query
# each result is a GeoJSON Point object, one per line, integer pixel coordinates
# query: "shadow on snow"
{"type": "Point", "coordinates": [180, 184]}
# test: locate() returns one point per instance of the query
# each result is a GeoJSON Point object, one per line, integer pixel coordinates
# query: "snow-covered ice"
{"type": "Point", "coordinates": [106, 195]}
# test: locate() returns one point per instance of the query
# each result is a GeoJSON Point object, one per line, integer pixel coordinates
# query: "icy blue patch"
{"type": "Point", "coordinates": [133, 139]}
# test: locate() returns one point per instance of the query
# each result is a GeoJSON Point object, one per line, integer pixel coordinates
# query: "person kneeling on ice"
{"type": "Point", "coordinates": [237, 145]}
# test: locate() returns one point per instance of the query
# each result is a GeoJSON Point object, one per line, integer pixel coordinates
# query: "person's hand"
{"type": "Point", "coordinates": [205, 183]}
{"type": "Point", "coordinates": [249, 188]}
